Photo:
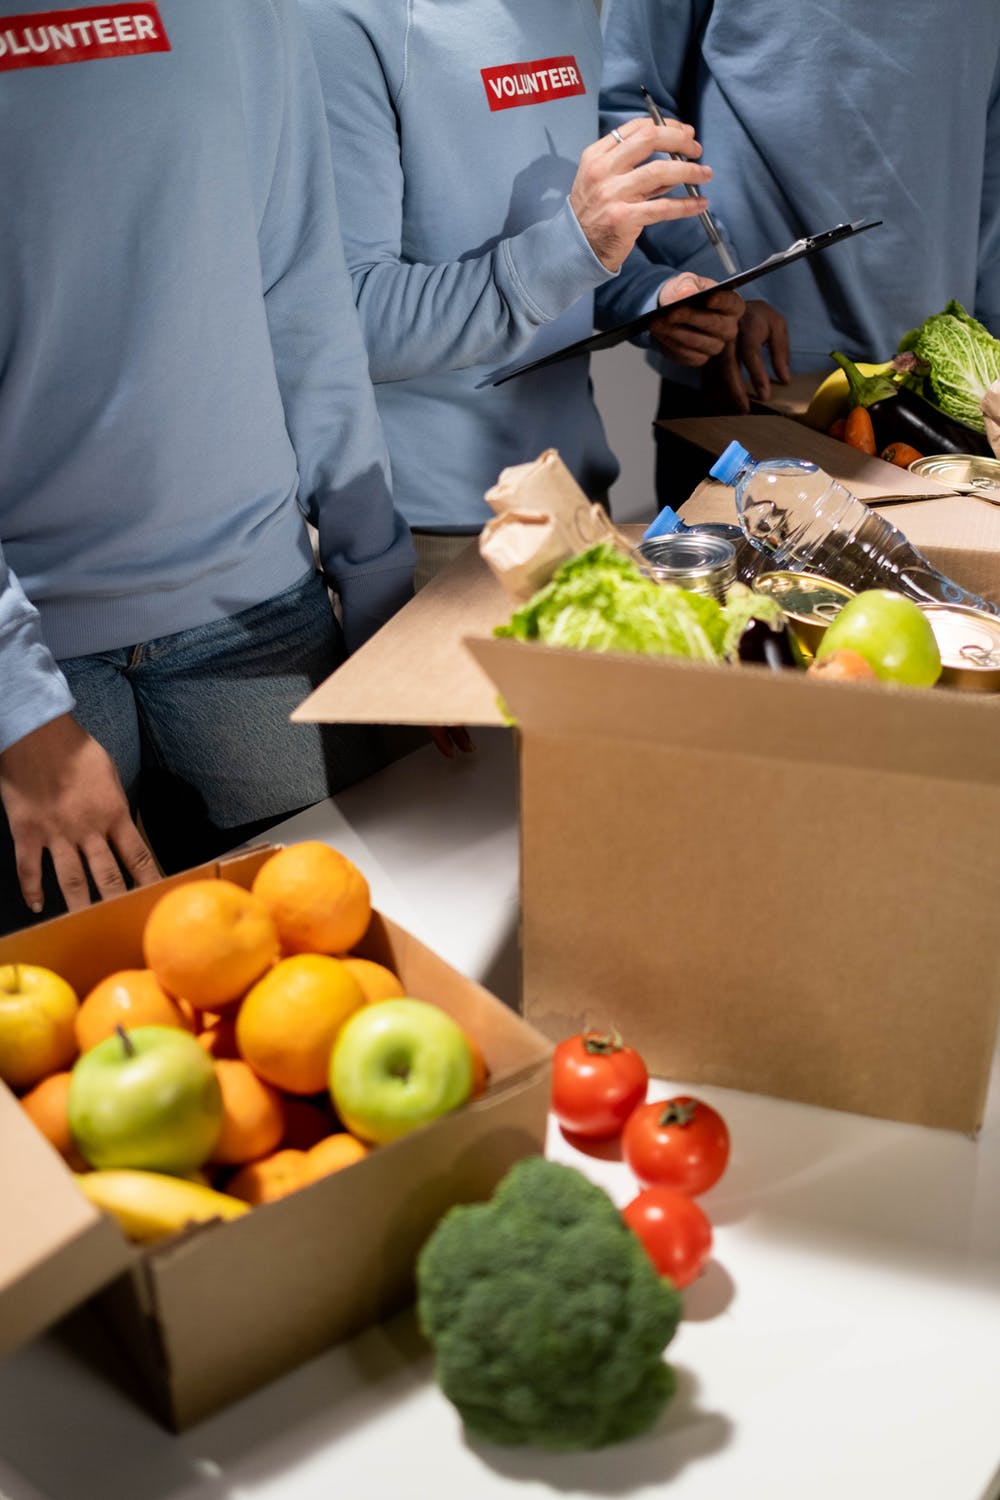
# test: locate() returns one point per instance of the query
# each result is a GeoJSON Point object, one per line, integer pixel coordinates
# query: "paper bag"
{"type": "Point", "coordinates": [542, 518]}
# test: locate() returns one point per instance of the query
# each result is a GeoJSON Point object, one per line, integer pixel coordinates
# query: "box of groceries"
{"type": "Point", "coordinates": [772, 863]}
{"type": "Point", "coordinates": [237, 1103]}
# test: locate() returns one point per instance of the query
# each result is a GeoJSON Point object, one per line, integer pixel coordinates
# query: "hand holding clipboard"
{"type": "Point", "coordinates": [809, 245]}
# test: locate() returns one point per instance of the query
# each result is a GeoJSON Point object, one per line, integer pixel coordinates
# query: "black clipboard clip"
{"type": "Point", "coordinates": [809, 245]}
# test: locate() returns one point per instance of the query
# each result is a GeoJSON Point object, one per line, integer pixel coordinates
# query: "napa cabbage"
{"type": "Point", "coordinates": [961, 359]}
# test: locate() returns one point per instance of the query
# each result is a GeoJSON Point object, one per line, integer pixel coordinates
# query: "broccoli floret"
{"type": "Point", "coordinates": [547, 1318]}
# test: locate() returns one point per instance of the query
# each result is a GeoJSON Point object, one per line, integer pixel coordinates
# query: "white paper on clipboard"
{"type": "Point", "coordinates": [608, 338]}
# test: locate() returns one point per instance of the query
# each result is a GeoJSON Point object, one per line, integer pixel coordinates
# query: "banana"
{"type": "Point", "coordinates": [829, 399]}
{"type": "Point", "coordinates": [149, 1205]}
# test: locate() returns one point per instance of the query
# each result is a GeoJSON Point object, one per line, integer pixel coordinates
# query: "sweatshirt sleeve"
{"type": "Point", "coordinates": [651, 43]}
{"type": "Point", "coordinates": [321, 365]}
{"type": "Point", "coordinates": [988, 291]}
{"type": "Point", "coordinates": [34, 689]}
{"type": "Point", "coordinates": [419, 319]}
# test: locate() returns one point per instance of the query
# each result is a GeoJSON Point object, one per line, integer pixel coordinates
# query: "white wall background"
{"type": "Point", "coordinates": [626, 391]}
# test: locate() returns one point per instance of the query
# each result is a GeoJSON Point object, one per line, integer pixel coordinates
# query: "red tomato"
{"type": "Point", "coordinates": [597, 1081]}
{"type": "Point", "coordinates": [674, 1231]}
{"type": "Point", "coordinates": [680, 1143]}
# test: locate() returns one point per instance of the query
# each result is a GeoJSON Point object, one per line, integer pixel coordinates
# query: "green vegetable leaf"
{"type": "Point", "coordinates": [864, 390]}
{"type": "Point", "coordinates": [963, 359]}
{"type": "Point", "coordinates": [601, 601]}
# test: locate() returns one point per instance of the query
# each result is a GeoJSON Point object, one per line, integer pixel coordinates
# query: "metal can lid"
{"type": "Point", "coordinates": [969, 473]}
{"type": "Point", "coordinates": [805, 596]}
{"type": "Point", "coordinates": [687, 552]}
{"type": "Point", "coordinates": [969, 643]}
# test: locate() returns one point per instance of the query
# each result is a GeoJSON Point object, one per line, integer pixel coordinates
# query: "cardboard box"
{"type": "Point", "coordinates": [211, 1314]}
{"type": "Point", "coordinates": [765, 881]}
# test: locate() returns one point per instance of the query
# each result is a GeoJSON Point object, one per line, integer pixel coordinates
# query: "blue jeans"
{"type": "Point", "coordinates": [198, 726]}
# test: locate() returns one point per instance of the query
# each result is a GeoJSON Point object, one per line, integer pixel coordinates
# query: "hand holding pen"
{"type": "Point", "coordinates": [622, 181]}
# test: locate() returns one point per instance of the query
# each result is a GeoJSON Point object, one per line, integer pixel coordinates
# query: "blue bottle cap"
{"type": "Point", "coordinates": [666, 522]}
{"type": "Point", "coordinates": [729, 463]}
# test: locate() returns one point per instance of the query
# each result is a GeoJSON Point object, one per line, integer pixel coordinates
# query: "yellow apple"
{"type": "Point", "coordinates": [37, 1011]}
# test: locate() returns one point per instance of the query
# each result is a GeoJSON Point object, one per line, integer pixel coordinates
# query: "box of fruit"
{"type": "Point", "coordinates": [236, 1104]}
{"type": "Point", "coordinates": [769, 880]}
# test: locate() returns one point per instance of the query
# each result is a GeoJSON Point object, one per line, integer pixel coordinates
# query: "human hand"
{"type": "Point", "coordinates": [451, 738]}
{"type": "Point", "coordinates": [761, 326]}
{"type": "Point", "coordinates": [61, 792]}
{"type": "Point", "coordinates": [693, 334]}
{"type": "Point", "coordinates": [617, 191]}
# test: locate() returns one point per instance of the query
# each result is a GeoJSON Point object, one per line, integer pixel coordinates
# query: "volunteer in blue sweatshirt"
{"type": "Point", "coordinates": [813, 115]}
{"type": "Point", "coordinates": [182, 383]}
{"type": "Point", "coordinates": [479, 212]}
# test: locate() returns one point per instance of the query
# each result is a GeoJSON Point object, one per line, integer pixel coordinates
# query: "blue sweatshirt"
{"type": "Point", "coordinates": [812, 115]}
{"type": "Point", "coordinates": [182, 374]}
{"type": "Point", "coordinates": [457, 128]}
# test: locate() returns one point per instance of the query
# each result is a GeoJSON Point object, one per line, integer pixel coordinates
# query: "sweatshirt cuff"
{"type": "Point", "coordinates": [552, 264]}
{"type": "Point", "coordinates": [369, 600]}
{"type": "Point", "coordinates": [35, 691]}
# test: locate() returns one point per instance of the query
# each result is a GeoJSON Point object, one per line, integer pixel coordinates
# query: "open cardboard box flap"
{"type": "Point", "coordinates": [56, 1248]}
{"type": "Point", "coordinates": [416, 669]}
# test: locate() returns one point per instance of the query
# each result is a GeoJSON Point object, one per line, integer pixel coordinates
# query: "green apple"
{"type": "Point", "coordinates": [146, 1098]}
{"type": "Point", "coordinates": [37, 1015]}
{"type": "Point", "coordinates": [397, 1064]}
{"type": "Point", "coordinates": [892, 634]}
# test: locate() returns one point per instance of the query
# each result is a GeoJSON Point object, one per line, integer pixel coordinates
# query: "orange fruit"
{"type": "Point", "coordinates": [318, 898]}
{"type": "Point", "coordinates": [286, 1026]}
{"type": "Point", "coordinates": [306, 1122]}
{"type": "Point", "coordinates": [843, 666]}
{"type": "Point", "coordinates": [376, 981]}
{"type": "Point", "coordinates": [46, 1105]}
{"type": "Point", "coordinates": [336, 1151]}
{"type": "Point", "coordinates": [129, 997]}
{"type": "Point", "coordinates": [209, 940]}
{"type": "Point", "coordinates": [253, 1120]}
{"type": "Point", "coordinates": [218, 1035]}
{"type": "Point", "coordinates": [272, 1177]}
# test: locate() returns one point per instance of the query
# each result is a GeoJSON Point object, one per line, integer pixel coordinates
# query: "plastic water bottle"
{"type": "Point", "coordinates": [808, 522]}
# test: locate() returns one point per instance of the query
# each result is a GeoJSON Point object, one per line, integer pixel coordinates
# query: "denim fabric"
{"type": "Point", "coordinates": [198, 725]}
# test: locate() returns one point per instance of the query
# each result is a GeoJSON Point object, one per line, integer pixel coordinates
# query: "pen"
{"type": "Point", "coordinates": [708, 223]}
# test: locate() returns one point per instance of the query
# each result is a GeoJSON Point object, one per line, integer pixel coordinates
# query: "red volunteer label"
{"type": "Point", "coordinates": [65, 36]}
{"type": "Point", "coordinates": [532, 82]}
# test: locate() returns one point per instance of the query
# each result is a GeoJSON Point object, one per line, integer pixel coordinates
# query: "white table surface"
{"type": "Point", "coordinates": [844, 1341]}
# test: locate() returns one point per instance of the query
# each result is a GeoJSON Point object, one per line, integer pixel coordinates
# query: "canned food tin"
{"type": "Point", "coordinates": [969, 643]}
{"type": "Point", "coordinates": [694, 560]}
{"type": "Point", "coordinates": [808, 600]}
{"type": "Point", "coordinates": [968, 473]}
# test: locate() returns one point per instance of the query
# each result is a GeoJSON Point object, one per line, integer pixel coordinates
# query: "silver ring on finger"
{"type": "Point", "coordinates": [617, 135]}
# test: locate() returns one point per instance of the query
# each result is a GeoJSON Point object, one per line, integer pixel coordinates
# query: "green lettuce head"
{"type": "Point", "coordinates": [600, 601]}
{"type": "Point", "coordinates": [963, 359]}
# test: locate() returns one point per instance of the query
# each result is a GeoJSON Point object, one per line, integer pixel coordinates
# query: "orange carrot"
{"type": "Point", "coordinates": [901, 454]}
{"type": "Point", "coordinates": [837, 429]}
{"type": "Point", "coordinates": [859, 432]}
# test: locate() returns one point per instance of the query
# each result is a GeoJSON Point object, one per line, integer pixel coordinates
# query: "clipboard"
{"type": "Point", "coordinates": [808, 245]}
